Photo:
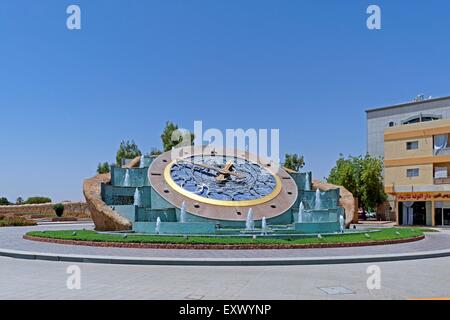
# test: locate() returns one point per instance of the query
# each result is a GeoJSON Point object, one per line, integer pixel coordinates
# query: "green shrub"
{"type": "Point", "coordinates": [15, 222]}
{"type": "Point", "coordinates": [59, 209]}
{"type": "Point", "coordinates": [4, 201]}
{"type": "Point", "coordinates": [38, 200]}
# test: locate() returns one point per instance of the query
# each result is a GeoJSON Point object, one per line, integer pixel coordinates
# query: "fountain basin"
{"type": "Point", "coordinates": [317, 227]}
{"type": "Point", "coordinates": [175, 228]}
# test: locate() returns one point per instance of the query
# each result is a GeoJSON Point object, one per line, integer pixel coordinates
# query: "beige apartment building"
{"type": "Point", "coordinates": [416, 152]}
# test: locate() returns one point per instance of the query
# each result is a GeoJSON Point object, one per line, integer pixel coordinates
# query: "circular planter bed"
{"type": "Point", "coordinates": [93, 239]}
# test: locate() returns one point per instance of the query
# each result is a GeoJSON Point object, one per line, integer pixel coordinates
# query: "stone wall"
{"type": "Point", "coordinates": [71, 209]}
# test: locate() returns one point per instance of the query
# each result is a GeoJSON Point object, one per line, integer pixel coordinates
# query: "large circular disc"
{"type": "Point", "coordinates": [276, 202]}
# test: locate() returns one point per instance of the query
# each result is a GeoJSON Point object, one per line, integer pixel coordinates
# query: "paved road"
{"type": "Point", "coordinates": [11, 238]}
{"type": "Point", "coordinates": [29, 279]}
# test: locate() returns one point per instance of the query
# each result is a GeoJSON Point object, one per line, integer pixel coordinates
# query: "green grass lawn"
{"type": "Point", "coordinates": [87, 235]}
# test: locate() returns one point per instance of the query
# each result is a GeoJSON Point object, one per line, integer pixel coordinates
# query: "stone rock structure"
{"type": "Point", "coordinates": [347, 201]}
{"type": "Point", "coordinates": [104, 217]}
{"type": "Point", "coordinates": [133, 163]}
{"type": "Point", "coordinates": [71, 209]}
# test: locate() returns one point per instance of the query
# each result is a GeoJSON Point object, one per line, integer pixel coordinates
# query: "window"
{"type": "Point", "coordinates": [412, 145]}
{"type": "Point", "coordinates": [411, 121]}
{"type": "Point", "coordinates": [410, 173]}
{"type": "Point", "coordinates": [421, 118]}
{"type": "Point", "coordinates": [440, 143]}
{"type": "Point", "coordinates": [425, 119]}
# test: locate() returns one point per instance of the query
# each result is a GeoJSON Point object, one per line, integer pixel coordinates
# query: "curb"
{"type": "Point", "coordinates": [62, 223]}
{"type": "Point", "coordinates": [221, 262]}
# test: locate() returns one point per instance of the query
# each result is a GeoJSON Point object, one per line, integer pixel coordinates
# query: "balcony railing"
{"type": "Point", "coordinates": [441, 180]}
{"type": "Point", "coordinates": [442, 152]}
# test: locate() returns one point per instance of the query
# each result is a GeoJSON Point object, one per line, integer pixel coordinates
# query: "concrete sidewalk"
{"type": "Point", "coordinates": [25, 279]}
{"type": "Point", "coordinates": [222, 261]}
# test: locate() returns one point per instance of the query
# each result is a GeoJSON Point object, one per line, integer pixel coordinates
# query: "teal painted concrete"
{"type": "Point", "coordinates": [318, 227]}
{"type": "Point", "coordinates": [138, 176]}
{"type": "Point", "coordinates": [300, 179]}
{"type": "Point", "coordinates": [151, 215]}
{"type": "Point", "coordinates": [158, 202]}
{"type": "Point", "coordinates": [175, 228]}
{"type": "Point", "coordinates": [126, 211]}
{"type": "Point", "coordinates": [329, 199]}
{"type": "Point", "coordinates": [148, 161]}
{"type": "Point", "coordinates": [285, 218]}
{"type": "Point", "coordinates": [118, 195]}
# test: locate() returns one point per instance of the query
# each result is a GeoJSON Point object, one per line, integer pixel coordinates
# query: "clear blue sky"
{"type": "Point", "coordinates": [310, 68]}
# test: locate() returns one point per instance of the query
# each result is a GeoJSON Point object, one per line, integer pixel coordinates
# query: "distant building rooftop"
{"type": "Point", "coordinates": [409, 103]}
{"type": "Point", "coordinates": [410, 106]}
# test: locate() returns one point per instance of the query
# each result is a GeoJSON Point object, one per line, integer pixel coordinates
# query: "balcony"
{"type": "Point", "coordinates": [441, 173]}
{"type": "Point", "coordinates": [442, 180]}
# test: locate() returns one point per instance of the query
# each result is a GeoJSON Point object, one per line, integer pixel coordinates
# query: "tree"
{"type": "Point", "coordinates": [38, 200]}
{"type": "Point", "coordinates": [4, 202]}
{"type": "Point", "coordinates": [19, 201]}
{"type": "Point", "coordinates": [127, 150]}
{"type": "Point", "coordinates": [154, 152]}
{"type": "Point", "coordinates": [294, 161]}
{"type": "Point", "coordinates": [362, 176]}
{"type": "Point", "coordinates": [172, 136]}
{"type": "Point", "coordinates": [103, 168]}
{"type": "Point", "coordinates": [371, 182]}
{"type": "Point", "coordinates": [344, 174]}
